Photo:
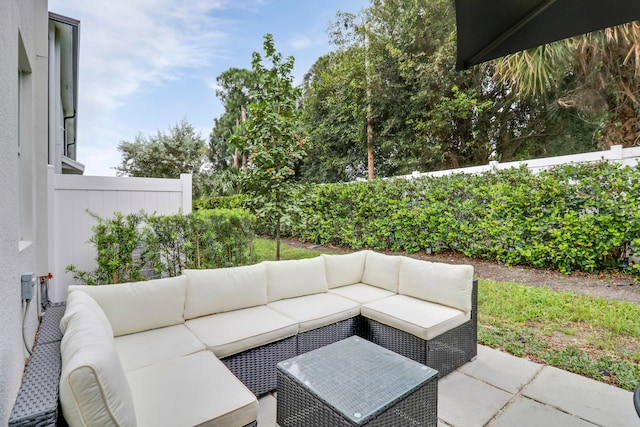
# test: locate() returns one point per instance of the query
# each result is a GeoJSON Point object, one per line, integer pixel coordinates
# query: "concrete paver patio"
{"type": "Point", "coordinates": [500, 390]}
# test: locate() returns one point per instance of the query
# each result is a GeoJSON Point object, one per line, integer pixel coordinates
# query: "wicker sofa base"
{"type": "Point", "coordinates": [316, 338]}
{"type": "Point", "coordinates": [444, 353]}
{"type": "Point", "coordinates": [256, 368]}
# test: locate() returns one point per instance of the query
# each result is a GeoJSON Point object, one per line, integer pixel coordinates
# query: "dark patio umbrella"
{"type": "Point", "coordinates": [489, 29]}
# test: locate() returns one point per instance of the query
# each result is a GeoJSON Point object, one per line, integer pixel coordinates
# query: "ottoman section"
{"type": "Point", "coordinates": [192, 390]}
{"type": "Point", "coordinates": [250, 342]}
{"type": "Point", "coordinates": [157, 345]}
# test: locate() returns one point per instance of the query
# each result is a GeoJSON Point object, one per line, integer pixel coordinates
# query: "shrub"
{"type": "Point", "coordinates": [139, 246]}
{"type": "Point", "coordinates": [572, 217]}
{"type": "Point", "coordinates": [236, 201]}
{"type": "Point", "coordinates": [120, 250]}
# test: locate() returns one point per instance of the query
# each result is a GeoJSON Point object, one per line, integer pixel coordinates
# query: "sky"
{"type": "Point", "coordinates": [147, 64]}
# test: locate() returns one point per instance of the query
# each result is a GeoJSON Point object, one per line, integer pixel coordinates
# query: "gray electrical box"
{"type": "Point", "coordinates": [28, 281]}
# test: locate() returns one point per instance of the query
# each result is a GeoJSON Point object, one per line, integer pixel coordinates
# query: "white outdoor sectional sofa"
{"type": "Point", "coordinates": [197, 349]}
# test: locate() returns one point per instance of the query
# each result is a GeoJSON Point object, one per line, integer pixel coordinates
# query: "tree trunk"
{"type": "Point", "coordinates": [369, 108]}
{"type": "Point", "coordinates": [243, 113]}
{"type": "Point", "coordinates": [369, 142]}
{"type": "Point", "coordinates": [278, 240]}
{"type": "Point", "coordinates": [235, 154]}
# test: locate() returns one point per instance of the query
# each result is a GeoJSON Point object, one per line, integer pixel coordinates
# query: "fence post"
{"type": "Point", "coordinates": [616, 153]}
{"type": "Point", "coordinates": [186, 182]}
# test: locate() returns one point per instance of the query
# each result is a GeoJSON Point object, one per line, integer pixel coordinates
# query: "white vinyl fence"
{"type": "Point", "coordinates": [70, 224]}
{"type": "Point", "coordinates": [624, 156]}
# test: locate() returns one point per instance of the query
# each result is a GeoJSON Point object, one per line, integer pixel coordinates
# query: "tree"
{"type": "Point", "coordinates": [334, 115]}
{"type": "Point", "coordinates": [235, 89]}
{"type": "Point", "coordinates": [275, 139]}
{"type": "Point", "coordinates": [598, 75]}
{"type": "Point", "coordinates": [349, 96]}
{"type": "Point", "coordinates": [165, 155]}
{"type": "Point", "coordinates": [424, 114]}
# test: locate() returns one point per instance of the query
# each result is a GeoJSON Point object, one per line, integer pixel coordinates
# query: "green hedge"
{"type": "Point", "coordinates": [138, 246]}
{"type": "Point", "coordinates": [573, 217]}
{"type": "Point", "coordinates": [236, 201]}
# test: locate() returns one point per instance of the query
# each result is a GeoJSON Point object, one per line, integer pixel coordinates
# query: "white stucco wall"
{"type": "Point", "coordinates": [26, 20]}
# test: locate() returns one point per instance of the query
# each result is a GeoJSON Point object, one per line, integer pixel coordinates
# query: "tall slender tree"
{"type": "Point", "coordinates": [235, 90]}
{"type": "Point", "coordinates": [275, 139]}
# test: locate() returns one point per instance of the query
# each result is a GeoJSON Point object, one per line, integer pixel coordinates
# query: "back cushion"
{"type": "Point", "coordinates": [81, 301]}
{"type": "Point", "coordinates": [140, 306]}
{"type": "Point", "coordinates": [295, 278]}
{"type": "Point", "coordinates": [445, 284]}
{"type": "Point", "coordinates": [382, 271]}
{"type": "Point", "coordinates": [94, 390]}
{"type": "Point", "coordinates": [344, 270]}
{"type": "Point", "coordinates": [225, 289]}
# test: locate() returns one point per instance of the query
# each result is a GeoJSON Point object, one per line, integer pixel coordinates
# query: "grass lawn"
{"type": "Point", "coordinates": [587, 335]}
{"type": "Point", "coordinates": [265, 250]}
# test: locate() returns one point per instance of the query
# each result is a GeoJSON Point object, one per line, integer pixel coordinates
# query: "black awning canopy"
{"type": "Point", "coordinates": [488, 29]}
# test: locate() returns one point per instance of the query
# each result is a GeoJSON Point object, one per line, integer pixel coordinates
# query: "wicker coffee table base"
{"type": "Point", "coordinates": [298, 407]}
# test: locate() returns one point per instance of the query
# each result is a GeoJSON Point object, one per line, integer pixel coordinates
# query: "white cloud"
{"type": "Point", "coordinates": [127, 44]}
{"type": "Point", "coordinates": [145, 63]}
{"type": "Point", "coordinates": [128, 47]}
{"type": "Point", "coordinates": [300, 42]}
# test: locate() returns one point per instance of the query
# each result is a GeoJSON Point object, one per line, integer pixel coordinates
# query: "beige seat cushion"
{"type": "Point", "coordinates": [140, 306]}
{"type": "Point", "coordinates": [344, 269]}
{"type": "Point", "coordinates": [146, 348]}
{"type": "Point", "coordinates": [315, 311]}
{"type": "Point", "coordinates": [235, 331]}
{"type": "Point", "coordinates": [225, 289]}
{"type": "Point", "coordinates": [94, 390]}
{"type": "Point", "coordinates": [194, 390]}
{"type": "Point", "coordinates": [295, 278]}
{"type": "Point", "coordinates": [446, 284]}
{"type": "Point", "coordinates": [361, 293]}
{"type": "Point", "coordinates": [382, 271]}
{"type": "Point", "coordinates": [423, 319]}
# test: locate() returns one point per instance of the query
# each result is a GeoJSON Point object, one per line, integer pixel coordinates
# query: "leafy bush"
{"type": "Point", "coordinates": [139, 246]}
{"type": "Point", "coordinates": [236, 201]}
{"type": "Point", "coordinates": [572, 217]}
{"type": "Point", "coordinates": [120, 246]}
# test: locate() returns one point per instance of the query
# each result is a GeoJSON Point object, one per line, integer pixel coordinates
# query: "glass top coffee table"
{"type": "Point", "coordinates": [354, 382]}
